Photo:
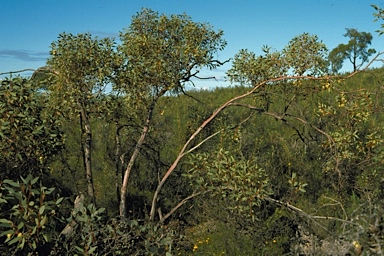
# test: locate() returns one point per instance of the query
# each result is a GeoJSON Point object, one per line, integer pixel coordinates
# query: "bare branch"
{"type": "Point", "coordinates": [17, 71]}
{"type": "Point", "coordinates": [309, 216]}
{"type": "Point", "coordinates": [221, 63]}
{"type": "Point", "coordinates": [190, 96]}
{"type": "Point", "coordinates": [182, 202]}
{"type": "Point", "coordinates": [205, 78]}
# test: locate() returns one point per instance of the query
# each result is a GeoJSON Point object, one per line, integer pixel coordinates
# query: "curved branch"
{"type": "Point", "coordinates": [182, 202]}
{"type": "Point", "coordinates": [190, 96]}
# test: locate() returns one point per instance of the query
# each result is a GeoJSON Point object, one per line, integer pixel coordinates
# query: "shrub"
{"type": "Point", "coordinates": [27, 219]}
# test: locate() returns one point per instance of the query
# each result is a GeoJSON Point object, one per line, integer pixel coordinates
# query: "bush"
{"type": "Point", "coordinates": [27, 219]}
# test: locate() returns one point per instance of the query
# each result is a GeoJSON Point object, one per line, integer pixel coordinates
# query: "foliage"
{"type": "Point", "coordinates": [162, 52]}
{"type": "Point", "coordinates": [30, 132]}
{"type": "Point", "coordinates": [379, 16]}
{"type": "Point", "coordinates": [82, 66]}
{"type": "Point", "coordinates": [220, 240]}
{"type": "Point", "coordinates": [89, 223]}
{"type": "Point", "coordinates": [94, 235]}
{"type": "Point", "coordinates": [354, 137]}
{"type": "Point", "coordinates": [355, 50]}
{"type": "Point", "coordinates": [304, 54]}
{"type": "Point", "coordinates": [287, 161]}
{"type": "Point", "coordinates": [28, 217]}
{"type": "Point", "coordinates": [249, 69]}
{"type": "Point", "coordinates": [241, 181]}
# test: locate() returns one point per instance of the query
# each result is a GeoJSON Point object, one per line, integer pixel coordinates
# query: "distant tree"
{"type": "Point", "coordinates": [356, 51]}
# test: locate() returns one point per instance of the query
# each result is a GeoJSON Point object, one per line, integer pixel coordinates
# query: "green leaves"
{"type": "Point", "coordinates": [379, 15]}
{"type": "Point", "coordinates": [304, 54]}
{"type": "Point", "coordinates": [247, 69]}
{"type": "Point", "coordinates": [241, 181]}
{"type": "Point", "coordinates": [161, 52]}
{"type": "Point", "coordinates": [82, 66]}
{"type": "Point", "coordinates": [25, 127]}
{"type": "Point", "coordinates": [27, 216]}
{"type": "Point", "coordinates": [296, 185]}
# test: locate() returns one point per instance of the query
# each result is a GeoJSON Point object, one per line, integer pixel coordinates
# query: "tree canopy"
{"type": "Point", "coordinates": [356, 50]}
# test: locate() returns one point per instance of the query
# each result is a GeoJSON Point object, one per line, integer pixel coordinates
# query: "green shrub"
{"type": "Point", "coordinates": [28, 214]}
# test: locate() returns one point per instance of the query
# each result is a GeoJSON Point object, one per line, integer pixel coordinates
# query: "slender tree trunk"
{"type": "Point", "coordinates": [123, 201]}
{"type": "Point", "coordinates": [87, 143]}
{"type": "Point", "coordinates": [118, 165]}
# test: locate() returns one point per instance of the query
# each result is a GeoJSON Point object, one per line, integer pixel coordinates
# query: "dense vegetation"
{"type": "Point", "coordinates": [105, 152]}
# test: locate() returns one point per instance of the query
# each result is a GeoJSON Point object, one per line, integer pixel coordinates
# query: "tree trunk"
{"type": "Point", "coordinates": [70, 228]}
{"type": "Point", "coordinates": [118, 162]}
{"type": "Point", "coordinates": [123, 203]}
{"type": "Point", "coordinates": [87, 143]}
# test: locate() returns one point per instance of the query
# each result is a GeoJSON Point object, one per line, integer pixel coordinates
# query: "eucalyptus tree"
{"type": "Point", "coordinates": [356, 50]}
{"type": "Point", "coordinates": [82, 66]}
{"type": "Point", "coordinates": [161, 54]}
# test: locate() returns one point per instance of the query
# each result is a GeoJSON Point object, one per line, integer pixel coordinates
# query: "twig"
{"type": "Point", "coordinates": [309, 216]}
{"type": "Point", "coordinates": [182, 202]}
{"type": "Point", "coordinates": [17, 71]}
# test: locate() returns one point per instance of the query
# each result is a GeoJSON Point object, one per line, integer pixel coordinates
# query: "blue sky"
{"type": "Point", "coordinates": [28, 27]}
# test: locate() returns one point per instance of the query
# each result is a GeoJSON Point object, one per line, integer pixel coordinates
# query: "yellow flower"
{"type": "Point", "coordinates": [195, 247]}
{"type": "Point", "coordinates": [358, 247]}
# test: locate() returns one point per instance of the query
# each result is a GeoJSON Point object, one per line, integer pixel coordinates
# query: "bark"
{"type": "Point", "coordinates": [117, 163]}
{"type": "Point", "coordinates": [123, 200]}
{"type": "Point", "coordinates": [87, 143]}
{"type": "Point", "coordinates": [71, 227]}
